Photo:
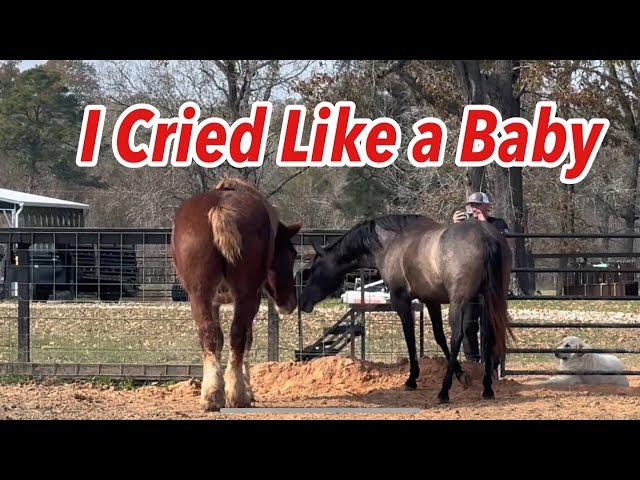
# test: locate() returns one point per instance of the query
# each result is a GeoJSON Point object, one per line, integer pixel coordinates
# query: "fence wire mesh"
{"type": "Point", "coordinates": [111, 296]}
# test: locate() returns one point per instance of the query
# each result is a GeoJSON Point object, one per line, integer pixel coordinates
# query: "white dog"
{"type": "Point", "coordinates": [587, 361]}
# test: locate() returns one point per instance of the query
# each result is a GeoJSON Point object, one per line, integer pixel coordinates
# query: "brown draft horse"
{"type": "Point", "coordinates": [419, 258]}
{"type": "Point", "coordinates": [227, 245]}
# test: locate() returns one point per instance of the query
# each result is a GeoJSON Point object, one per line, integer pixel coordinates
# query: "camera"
{"type": "Point", "coordinates": [467, 216]}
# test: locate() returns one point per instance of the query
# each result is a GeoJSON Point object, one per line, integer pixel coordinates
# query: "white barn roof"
{"type": "Point", "coordinates": [30, 200]}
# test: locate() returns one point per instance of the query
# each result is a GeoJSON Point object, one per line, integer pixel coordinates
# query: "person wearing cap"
{"type": "Point", "coordinates": [478, 206]}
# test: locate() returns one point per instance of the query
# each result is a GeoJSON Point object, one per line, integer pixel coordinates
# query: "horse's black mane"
{"type": "Point", "coordinates": [362, 238]}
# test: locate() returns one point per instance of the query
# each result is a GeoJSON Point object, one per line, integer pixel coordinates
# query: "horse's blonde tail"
{"type": "Point", "coordinates": [231, 183]}
{"type": "Point", "coordinates": [226, 236]}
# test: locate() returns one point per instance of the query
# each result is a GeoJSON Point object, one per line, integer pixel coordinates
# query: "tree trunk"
{"type": "Point", "coordinates": [629, 107]}
{"type": "Point", "coordinates": [468, 72]}
{"type": "Point", "coordinates": [629, 212]}
{"type": "Point", "coordinates": [606, 228]}
{"type": "Point", "coordinates": [507, 184]}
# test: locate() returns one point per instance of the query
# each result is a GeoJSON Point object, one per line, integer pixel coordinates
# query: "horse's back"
{"type": "Point", "coordinates": [440, 262]}
{"type": "Point", "coordinates": [411, 261]}
{"type": "Point", "coordinates": [249, 210]}
{"type": "Point", "coordinates": [468, 249]}
{"type": "Point", "coordinates": [199, 237]}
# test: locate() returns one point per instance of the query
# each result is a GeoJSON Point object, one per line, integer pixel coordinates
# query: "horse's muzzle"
{"type": "Point", "coordinates": [307, 307]}
{"type": "Point", "coordinates": [288, 308]}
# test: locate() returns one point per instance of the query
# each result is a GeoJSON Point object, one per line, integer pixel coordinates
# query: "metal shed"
{"type": "Point", "coordinates": [20, 209]}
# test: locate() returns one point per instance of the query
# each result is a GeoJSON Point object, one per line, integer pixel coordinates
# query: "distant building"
{"type": "Point", "coordinates": [19, 209]}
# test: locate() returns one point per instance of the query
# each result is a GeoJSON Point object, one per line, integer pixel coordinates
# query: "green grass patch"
{"type": "Point", "coordinates": [15, 379]}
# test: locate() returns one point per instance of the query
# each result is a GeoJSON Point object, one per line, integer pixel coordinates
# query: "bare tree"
{"type": "Point", "coordinates": [608, 89]}
{"type": "Point", "coordinates": [222, 88]}
{"type": "Point", "coordinates": [497, 84]}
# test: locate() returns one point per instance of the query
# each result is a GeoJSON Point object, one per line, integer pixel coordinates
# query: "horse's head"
{"type": "Point", "coordinates": [280, 281]}
{"type": "Point", "coordinates": [326, 276]}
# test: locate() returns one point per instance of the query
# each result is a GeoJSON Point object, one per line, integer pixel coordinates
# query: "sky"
{"type": "Point", "coordinates": [27, 64]}
{"type": "Point", "coordinates": [318, 65]}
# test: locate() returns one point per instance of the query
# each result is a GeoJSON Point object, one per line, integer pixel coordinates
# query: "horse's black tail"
{"type": "Point", "coordinates": [494, 292]}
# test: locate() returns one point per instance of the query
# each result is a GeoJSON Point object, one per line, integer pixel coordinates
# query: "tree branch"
{"type": "Point", "coordinates": [285, 181]}
{"type": "Point", "coordinates": [393, 67]}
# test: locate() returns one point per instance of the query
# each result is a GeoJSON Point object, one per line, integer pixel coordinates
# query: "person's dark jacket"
{"type": "Point", "coordinates": [499, 223]}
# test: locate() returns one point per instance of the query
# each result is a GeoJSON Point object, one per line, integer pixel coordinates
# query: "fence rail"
{"type": "Point", "coordinates": [102, 273]}
{"type": "Point", "coordinates": [110, 370]}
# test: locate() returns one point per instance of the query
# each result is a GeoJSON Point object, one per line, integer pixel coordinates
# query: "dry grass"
{"type": "Point", "coordinates": [165, 333]}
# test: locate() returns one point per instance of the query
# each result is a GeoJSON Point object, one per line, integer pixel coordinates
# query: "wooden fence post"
{"type": "Point", "coordinates": [273, 332]}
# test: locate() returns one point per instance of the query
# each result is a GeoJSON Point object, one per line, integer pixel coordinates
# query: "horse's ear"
{"type": "Point", "coordinates": [319, 250]}
{"type": "Point", "coordinates": [293, 229]}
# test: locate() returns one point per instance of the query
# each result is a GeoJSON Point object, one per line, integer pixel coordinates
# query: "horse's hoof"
{"type": "Point", "coordinates": [442, 399]}
{"type": "Point", "coordinates": [239, 403]}
{"type": "Point", "coordinates": [488, 395]}
{"type": "Point", "coordinates": [251, 397]}
{"type": "Point", "coordinates": [465, 379]}
{"type": "Point", "coordinates": [211, 405]}
{"type": "Point", "coordinates": [410, 384]}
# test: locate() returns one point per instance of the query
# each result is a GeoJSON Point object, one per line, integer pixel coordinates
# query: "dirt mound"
{"type": "Point", "coordinates": [189, 388]}
{"type": "Point", "coordinates": [328, 375]}
{"type": "Point", "coordinates": [337, 376]}
{"type": "Point", "coordinates": [328, 382]}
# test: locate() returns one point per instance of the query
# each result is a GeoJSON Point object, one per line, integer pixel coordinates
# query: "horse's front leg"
{"type": "Point", "coordinates": [435, 313]}
{"type": "Point", "coordinates": [401, 302]}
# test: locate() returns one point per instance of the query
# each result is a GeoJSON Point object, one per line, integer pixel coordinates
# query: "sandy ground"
{"type": "Point", "coordinates": [327, 382]}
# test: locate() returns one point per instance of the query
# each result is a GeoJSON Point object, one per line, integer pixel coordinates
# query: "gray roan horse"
{"type": "Point", "coordinates": [435, 263]}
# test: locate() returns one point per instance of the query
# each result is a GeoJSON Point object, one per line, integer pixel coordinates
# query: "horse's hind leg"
{"type": "Point", "coordinates": [455, 320]}
{"type": "Point", "coordinates": [207, 317]}
{"type": "Point", "coordinates": [245, 310]}
{"type": "Point", "coordinates": [245, 364]}
{"type": "Point", "coordinates": [402, 304]}
{"type": "Point", "coordinates": [435, 313]}
{"type": "Point", "coordinates": [488, 343]}
{"type": "Point", "coordinates": [470, 328]}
